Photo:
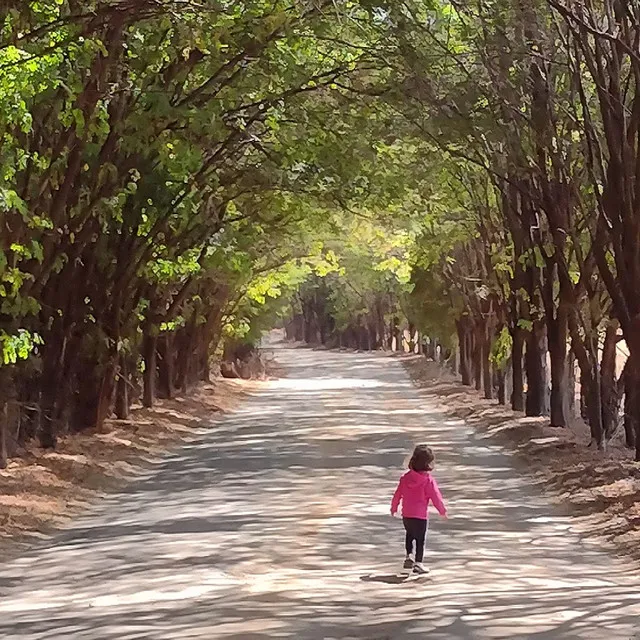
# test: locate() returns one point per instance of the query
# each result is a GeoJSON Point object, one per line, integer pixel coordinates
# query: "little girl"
{"type": "Point", "coordinates": [416, 489]}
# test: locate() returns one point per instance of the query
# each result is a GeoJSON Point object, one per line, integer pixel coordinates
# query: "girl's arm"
{"type": "Point", "coordinates": [395, 501]}
{"type": "Point", "coordinates": [436, 497]}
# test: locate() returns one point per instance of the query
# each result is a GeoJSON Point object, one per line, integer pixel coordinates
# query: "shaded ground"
{"type": "Point", "coordinates": [275, 525]}
{"type": "Point", "coordinates": [601, 489]}
{"type": "Point", "coordinates": [40, 491]}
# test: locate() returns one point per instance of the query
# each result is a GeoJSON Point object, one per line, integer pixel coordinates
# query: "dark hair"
{"type": "Point", "coordinates": [422, 459]}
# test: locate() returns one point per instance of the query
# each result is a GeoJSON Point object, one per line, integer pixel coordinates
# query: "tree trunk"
{"type": "Point", "coordinates": [149, 350]}
{"type": "Point", "coordinates": [477, 358]}
{"type": "Point", "coordinates": [594, 410]}
{"type": "Point", "coordinates": [502, 386]}
{"type": "Point", "coordinates": [466, 361]}
{"type": "Point", "coordinates": [384, 338]}
{"type": "Point", "coordinates": [571, 383]}
{"type": "Point", "coordinates": [123, 404]}
{"type": "Point", "coordinates": [205, 361]}
{"type": "Point", "coordinates": [47, 434]}
{"type": "Point", "coordinates": [307, 331]}
{"type": "Point", "coordinates": [361, 339]}
{"type": "Point", "coordinates": [590, 390]}
{"type": "Point", "coordinates": [608, 383]}
{"type": "Point", "coordinates": [586, 350]}
{"type": "Point", "coordinates": [298, 328]}
{"type": "Point", "coordinates": [4, 427]}
{"type": "Point", "coordinates": [322, 330]}
{"type": "Point", "coordinates": [464, 339]}
{"type": "Point", "coordinates": [52, 361]}
{"type": "Point", "coordinates": [517, 354]}
{"type": "Point", "coordinates": [166, 374]}
{"type": "Point", "coordinates": [535, 371]}
{"type": "Point", "coordinates": [105, 394]}
{"type": "Point", "coordinates": [557, 335]}
{"type": "Point", "coordinates": [400, 339]}
{"type": "Point", "coordinates": [630, 401]}
{"type": "Point", "coordinates": [584, 392]}
{"type": "Point", "coordinates": [487, 375]}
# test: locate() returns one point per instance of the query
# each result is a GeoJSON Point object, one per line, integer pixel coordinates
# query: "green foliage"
{"type": "Point", "coordinates": [501, 349]}
{"type": "Point", "coordinates": [18, 346]}
{"type": "Point", "coordinates": [167, 157]}
{"type": "Point", "coordinates": [197, 169]}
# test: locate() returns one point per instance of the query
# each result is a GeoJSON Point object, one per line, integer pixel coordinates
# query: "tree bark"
{"type": "Point", "coordinates": [4, 427]}
{"type": "Point", "coordinates": [477, 357]}
{"type": "Point", "coordinates": [534, 355]}
{"type": "Point", "coordinates": [205, 360]}
{"type": "Point", "coordinates": [608, 382]}
{"type": "Point", "coordinates": [584, 393]}
{"type": "Point", "coordinates": [123, 404]}
{"type": "Point", "coordinates": [464, 339]}
{"type": "Point", "coordinates": [400, 339]}
{"type": "Point", "coordinates": [149, 351]}
{"type": "Point", "coordinates": [557, 335]}
{"type": "Point", "coordinates": [571, 384]}
{"type": "Point", "coordinates": [502, 386]}
{"type": "Point", "coordinates": [466, 364]}
{"type": "Point", "coordinates": [47, 433]}
{"type": "Point", "coordinates": [455, 361]}
{"type": "Point", "coordinates": [105, 395]}
{"type": "Point", "coordinates": [630, 402]}
{"type": "Point", "coordinates": [591, 404]}
{"type": "Point", "coordinates": [517, 355]}
{"type": "Point", "coordinates": [594, 408]}
{"type": "Point", "coordinates": [586, 352]}
{"type": "Point", "coordinates": [487, 375]}
{"type": "Point", "coordinates": [412, 332]}
{"type": "Point", "coordinates": [166, 373]}
{"type": "Point", "coordinates": [433, 349]}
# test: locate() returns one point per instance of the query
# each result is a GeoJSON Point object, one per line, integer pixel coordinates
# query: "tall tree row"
{"type": "Point", "coordinates": [535, 105]}
{"type": "Point", "coordinates": [172, 172]}
{"type": "Point", "coordinates": [527, 123]}
{"type": "Point", "coordinates": [157, 165]}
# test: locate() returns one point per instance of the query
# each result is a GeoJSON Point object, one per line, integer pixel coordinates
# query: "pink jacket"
{"type": "Point", "coordinates": [416, 490]}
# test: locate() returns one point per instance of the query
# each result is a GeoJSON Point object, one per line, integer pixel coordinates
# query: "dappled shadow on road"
{"type": "Point", "coordinates": [600, 489]}
{"type": "Point", "coordinates": [393, 578]}
{"type": "Point", "coordinates": [275, 524]}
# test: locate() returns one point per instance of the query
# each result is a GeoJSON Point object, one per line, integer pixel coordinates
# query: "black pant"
{"type": "Point", "coordinates": [416, 530]}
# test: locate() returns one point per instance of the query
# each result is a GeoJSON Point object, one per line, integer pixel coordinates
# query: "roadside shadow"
{"type": "Point", "coordinates": [393, 578]}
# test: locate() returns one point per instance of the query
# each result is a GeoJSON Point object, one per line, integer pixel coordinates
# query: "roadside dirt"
{"type": "Point", "coordinates": [41, 490]}
{"type": "Point", "coordinates": [602, 490]}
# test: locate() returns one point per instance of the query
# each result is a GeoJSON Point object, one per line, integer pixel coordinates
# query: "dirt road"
{"type": "Point", "coordinates": [275, 525]}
